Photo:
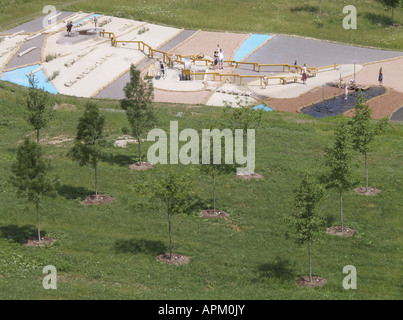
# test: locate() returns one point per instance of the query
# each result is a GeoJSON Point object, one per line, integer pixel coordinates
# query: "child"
{"type": "Point", "coordinates": [380, 77]}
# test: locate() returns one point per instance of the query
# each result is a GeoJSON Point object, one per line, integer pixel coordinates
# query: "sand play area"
{"type": "Point", "coordinates": [87, 62]}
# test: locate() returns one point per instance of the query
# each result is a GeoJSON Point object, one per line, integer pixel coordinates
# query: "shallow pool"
{"type": "Point", "coordinates": [19, 76]}
{"type": "Point", "coordinates": [250, 44]}
{"type": "Point", "coordinates": [262, 106]}
{"type": "Point", "coordinates": [339, 105]}
{"type": "Point", "coordinates": [89, 17]}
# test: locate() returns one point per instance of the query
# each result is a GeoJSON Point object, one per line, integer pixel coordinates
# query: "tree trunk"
{"type": "Point", "coordinates": [393, 16]}
{"type": "Point", "coordinates": [320, 6]}
{"type": "Point", "coordinates": [170, 237]}
{"type": "Point", "coordinates": [341, 209]}
{"type": "Point", "coordinates": [37, 135]}
{"type": "Point", "coordinates": [37, 216]}
{"type": "Point", "coordinates": [366, 174]}
{"type": "Point", "coordinates": [138, 139]}
{"type": "Point", "coordinates": [96, 181]}
{"type": "Point", "coordinates": [214, 192]}
{"type": "Point", "coordinates": [309, 253]}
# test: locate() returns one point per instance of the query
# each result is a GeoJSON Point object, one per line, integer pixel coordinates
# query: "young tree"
{"type": "Point", "coordinates": [39, 113]}
{"type": "Point", "coordinates": [89, 141]}
{"type": "Point", "coordinates": [339, 159]}
{"type": "Point", "coordinates": [392, 4]}
{"type": "Point", "coordinates": [363, 131]}
{"type": "Point", "coordinates": [242, 117]}
{"type": "Point", "coordinates": [30, 176]}
{"type": "Point", "coordinates": [305, 218]}
{"type": "Point", "coordinates": [173, 194]}
{"type": "Point", "coordinates": [140, 112]}
{"type": "Point", "coordinates": [214, 169]}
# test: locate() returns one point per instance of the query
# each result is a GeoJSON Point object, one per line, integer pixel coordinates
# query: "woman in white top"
{"type": "Point", "coordinates": [304, 77]}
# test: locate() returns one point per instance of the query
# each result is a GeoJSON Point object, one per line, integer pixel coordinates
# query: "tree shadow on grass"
{"type": "Point", "coordinates": [136, 246]}
{"type": "Point", "coordinates": [19, 234]}
{"type": "Point", "coordinates": [119, 159]}
{"type": "Point", "coordinates": [307, 8]}
{"type": "Point", "coordinates": [376, 18]}
{"type": "Point", "coordinates": [71, 192]}
{"type": "Point", "coordinates": [279, 269]}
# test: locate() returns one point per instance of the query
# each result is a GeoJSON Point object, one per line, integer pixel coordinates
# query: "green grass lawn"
{"type": "Point", "coordinates": [110, 252]}
{"type": "Point", "coordinates": [256, 16]}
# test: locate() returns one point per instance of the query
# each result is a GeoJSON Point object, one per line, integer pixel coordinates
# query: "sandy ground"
{"type": "Point", "coordinates": [87, 67]}
{"type": "Point", "coordinates": [392, 74]}
{"type": "Point", "coordinates": [8, 47]}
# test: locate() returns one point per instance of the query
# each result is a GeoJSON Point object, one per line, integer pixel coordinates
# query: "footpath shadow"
{"type": "Point", "coordinates": [136, 246]}
{"type": "Point", "coordinates": [19, 234]}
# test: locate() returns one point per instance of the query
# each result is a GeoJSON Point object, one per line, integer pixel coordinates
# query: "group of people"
{"type": "Point", "coordinates": [218, 58]}
{"type": "Point", "coordinates": [69, 25]}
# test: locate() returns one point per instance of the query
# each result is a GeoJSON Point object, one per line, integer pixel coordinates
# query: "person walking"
{"type": "Point", "coordinates": [304, 76]}
{"type": "Point", "coordinates": [380, 77]}
{"type": "Point", "coordinates": [69, 26]}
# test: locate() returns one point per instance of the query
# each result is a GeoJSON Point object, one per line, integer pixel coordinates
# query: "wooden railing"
{"type": "Point", "coordinates": [167, 58]}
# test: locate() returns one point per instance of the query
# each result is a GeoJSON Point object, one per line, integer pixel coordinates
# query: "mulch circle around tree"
{"type": "Point", "coordinates": [336, 230]}
{"type": "Point", "coordinates": [315, 281]}
{"type": "Point", "coordinates": [210, 213]}
{"type": "Point", "coordinates": [177, 259]}
{"type": "Point", "coordinates": [141, 166]}
{"type": "Point", "coordinates": [369, 192]}
{"type": "Point", "coordinates": [250, 176]}
{"type": "Point", "coordinates": [102, 199]}
{"type": "Point", "coordinates": [33, 242]}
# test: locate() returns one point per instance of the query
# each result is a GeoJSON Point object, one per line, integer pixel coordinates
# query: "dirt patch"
{"type": "Point", "coordinates": [33, 242]}
{"type": "Point", "coordinates": [251, 176]}
{"type": "Point", "coordinates": [369, 192]}
{"type": "Point", "coordinates": [65, 107]}
{"type": "Point", "coordinates": [210, 213]}
{"type": "Point", "coordinates": [140, 166]}
{"type": "Point", "coordinates": [177, 259]}
{"type": "Point", "coordinates": [55, 140]}
{"type": "Point", "coordinates": [336, 231]}
{"type": "Point", "coordinates": [315, 281]}
{"type": "Point", "coordinates": [102, 199]}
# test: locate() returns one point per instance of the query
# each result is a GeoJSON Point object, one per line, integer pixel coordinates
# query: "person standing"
{"type": "Point", "coordinates": [215, 59]}
{"type": "Point", "coordinates": [264, 81]}
{"type": "Point", "coordinates": [380, 77]}
{"type": "Point", "coordinates": [304, 76]}
{"type": "Point", "coordinates": [221, 59]}
{"type": "Point", "coordinates": [95, 22]}
{"type": "Point", "coordinates": [345, 91]}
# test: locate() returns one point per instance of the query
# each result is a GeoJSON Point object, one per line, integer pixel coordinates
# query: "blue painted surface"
{"type": "Point", "coordinates": [18, 76]}
{"type": "Point", "coordinates": [262, 106]}
{"type": "Point", "coordinates": [250, 44]}
{"type": "Point", "coordinates": [89, 17]}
